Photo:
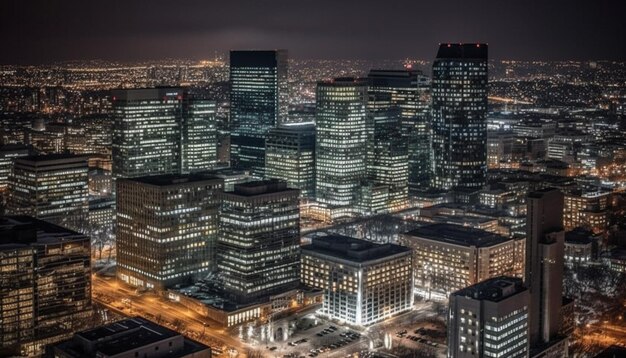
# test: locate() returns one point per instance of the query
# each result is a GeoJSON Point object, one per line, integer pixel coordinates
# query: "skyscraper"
{"type": "Point", "coordinates": [489, 319]}
{"type": "Point", "coordinates": [387, 162]}
{"type": "Point", "coordinates": [290, 156]}
{"type": "Point", "coordinates": [341, 141]}
{"type": "Point", "coordinates": [45, 284]}
{"type": "Point", "coordinates": [459, 123]}
{"type": "Point", "coordinates": [166, 229]}
{"type": "Point", "coordinates": [259, 240]}
{"type": "Point", "coordinates": [51, 187]}
{"type": "Point", "coordinates": [8, 153]}
{"type": "Point", "coordinates": [409, 90]}
{"type": "Point", "coordinates": [161, 131]}
{"type": "Point", "coordinates": [258, 102]}
{"type": "Point", "coordinates": [544, 267]}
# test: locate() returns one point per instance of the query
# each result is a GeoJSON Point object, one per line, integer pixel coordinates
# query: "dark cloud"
{"type": "Point", "coordinates": [57, 30]}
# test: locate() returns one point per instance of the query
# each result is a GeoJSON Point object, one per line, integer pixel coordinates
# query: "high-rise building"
{"type": "Point", "coordinates": [8, 153]}
{"type": "Point", "coordinates": [131, 337]}
{"type": "Point", "coordinates": [450, 257]}
{"type": "Point", "coordinates": [408, 90]}
{"type": "Point", "coordinates": [290, 156]}
{"type": "Point", "coordinates": [51, 187]}
{"type": "Point", "coordinates": [259, 240]}
{"type": "Point", "coordinates": [45, 284]}
{"type": "Point", "coordinates": [489, 319]}
{"type": "Point", "coordinates": [162, 131]}
{"type": "Point", "coordinates": [166, 229]}
{"type": "Point", "coordinates": [363, 282]}
{"type": "Point", "coordinates": [341, 141]}
{"type": "Point", "coordinates": [459, 123]}
{"type": "Point", "coordinates": [387, 162]}
{"type": "Point", "coordinates": [258, 102]}
{"type": "Point", "coordinates": [544, 270]}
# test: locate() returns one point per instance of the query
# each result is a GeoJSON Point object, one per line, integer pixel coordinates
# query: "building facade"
{"type": "Point", "coordinates": [341, 141]}
{"type": "Point", "coordinates": [51, 187]}
{"type": "Point", "coordinates": [166, 229]}
{"type": "Point", "coordinates": [586, 210]}
{"type": "Point", "coordinates": [45, 284]}
{"type": "Point", "coordinates": [161, 131]}
{"type": "Point", "coordinates": [258, 102]}
{"type": "Point", "coordinates": [459, 110]}
{"type": "Point", "coordinates": [258, 252]}
{"type": "Point", "coordinates": [409, 90]}
{"type": "Point", "coordinates": [290, 156]}
{"type": "Point", "coordinates": [489, 319]}
{"type": "Point", "coordinates": [449, 257]}
{"type": "Point", "coordinates": [8, 154]}
{"type": "Point", "coordinates": [363, 282]}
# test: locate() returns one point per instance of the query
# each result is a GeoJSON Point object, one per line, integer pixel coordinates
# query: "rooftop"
{"type": "Point", "coordinates": [25, 230]}
{"type": "Point", "coordinates": [465, 51]}
{"type": "Point", "coordinates": [51, 157]}
{"type": "Point", "coordinates": [352, 249]}
{"type": "Point", "coordinates": [458, 235]}
{"type": "Point", "coordinates": [174, 179]}
{"type": "Point", "coordinates": [494, 289]}
{"type": "Point", "coordinates": [260, 187]}
{"type": "Point", "coordinates": [123, 336]}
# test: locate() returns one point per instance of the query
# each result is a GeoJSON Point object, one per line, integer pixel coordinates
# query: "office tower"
{"type": "Point", "coordinates": [489, 319]}
{"type": "Point", "coordinates": [8, 153]}
{"type": "Point", "coordinates": [449, 257]}
{"type": "Point", "coordinates": [45, 284]}
{"type": "Point", "coordinates": [363, 282]}
{"type": "Point", "coordinates": [290, 156]}
{"type": "Point", "coordinates": [459, 123]}
{"type": "Point", "coordinates": [587, 210]}
{"type": "Point", "coordinates": [258, 102]}
{"type": "Point", "coordinates": [408, 90]}
{"type": "Point", "coordinates": [51, 187]}
{"type": "Point", "coordinates": [161, 131]}
{"type": "Point", "coordinates": [341, 141]}
{"type": "Point", "coordinates": [387, 162]}
{"type": "Point", "coordinates": [199, 136]}
{"type": "Point", "coordinates": [544, 267]}
{"type": "Point", "coordinates": [130, 337]}
{"type": "Point", "coordinates": [259, 240]}
{"type": "Point", "coordinates": [166, 229]}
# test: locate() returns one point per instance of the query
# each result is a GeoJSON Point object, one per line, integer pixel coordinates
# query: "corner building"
{"type": "Point", "coordinates": [363, 282]}
{"type": "Point", "coordinates": [166, 229]}
{"type": "Point", "coordinates": [259, 240]}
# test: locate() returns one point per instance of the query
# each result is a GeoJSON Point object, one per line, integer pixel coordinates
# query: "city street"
{"type": "Point", "coordinates": [123, 299]}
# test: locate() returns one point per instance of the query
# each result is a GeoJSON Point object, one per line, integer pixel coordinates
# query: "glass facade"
{"type": "Point", "coordinates": [459, 123]}
{"type": "Point", "coordinates": [341, 141]}
{"type": "Point", "coordinates": [290, 156]}
{"type": "Point", "coordinates": [259, 240]}
{"type": "Point", "coordinates": [258, 102]}
{"type": "Point", "coordinates": [45, 284]}
{"type": "Point", "coordinates": [409, 90]}
{"type": "Point", "coordinates": [166, 229]}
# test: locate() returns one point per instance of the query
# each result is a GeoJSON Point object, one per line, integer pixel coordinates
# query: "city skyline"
{"type": "Point", "coordinates": [40, 32]}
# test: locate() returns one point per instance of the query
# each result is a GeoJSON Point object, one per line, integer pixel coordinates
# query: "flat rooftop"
{"type": "Point", "coordinates": [494, 289]}
{"type": "Point", "coordinates": [174, 179]}
{"type": "Point", "coordinates": [55, 156]}
{"type": "Point", "coordinates": [26, 230]}
{"type": "Point", "coordinates": [352, 249]}
{"type": "Point", "coordinates": [260, 187]}
{"type": "Point", "coordinates": [458, 235]}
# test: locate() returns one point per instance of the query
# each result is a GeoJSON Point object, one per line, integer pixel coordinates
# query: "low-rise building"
{"type": "Point", "coordinates": [362, 282]}
{"type": "Point", "coordinates": [132, 337]}
{"type": "Point", "coordinates": [447, 258]}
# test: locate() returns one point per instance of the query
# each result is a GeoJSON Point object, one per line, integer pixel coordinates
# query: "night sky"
{"type": "Point", "coordinates": [33, 32]}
